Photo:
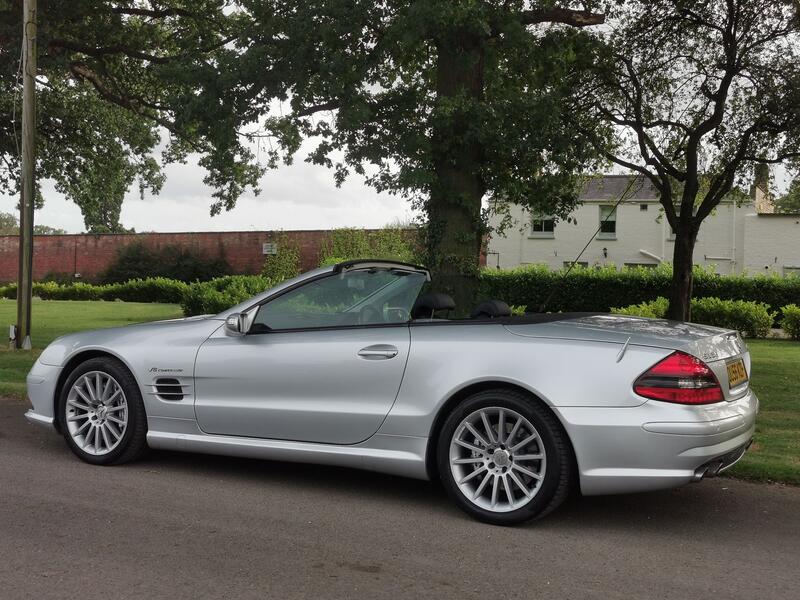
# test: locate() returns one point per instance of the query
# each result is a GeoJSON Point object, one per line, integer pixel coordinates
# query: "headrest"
{"type": "Point", "coordinates": [491, 309]}
{"type": "Point", "coordinates": [427, 304]}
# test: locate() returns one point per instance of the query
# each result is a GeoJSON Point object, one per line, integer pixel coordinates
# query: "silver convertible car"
{"type": "Point", "coordinates": [358, 365]}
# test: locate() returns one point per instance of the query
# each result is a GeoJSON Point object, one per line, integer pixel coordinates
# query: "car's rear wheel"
{"type": "Point", "coordinates": [504, 458]}
{"type": "Point", "coordinates": [101, 413]}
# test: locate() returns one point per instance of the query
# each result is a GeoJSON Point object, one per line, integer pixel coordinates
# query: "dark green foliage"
{"type": "Point", "coordinates": [789, 203]}
{"type": "Point", "coordinates": [138, 261]}
{"type": "Point", "coordinates": [602, 289]}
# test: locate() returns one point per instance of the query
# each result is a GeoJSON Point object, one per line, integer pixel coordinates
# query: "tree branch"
{"type": "Point", "coordinates": [315, 108]}
{"type": "Point", "coordinates": [153, 13]}
{"type": "Point", "coordinates": [576, 18]}
{"type": "Point", "coordinates": [106, 50]}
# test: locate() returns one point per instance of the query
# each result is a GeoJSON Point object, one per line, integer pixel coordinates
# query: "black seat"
{"type": "Point", "coordinates": [491, 309]}
{"type": "Point", "coordinates": [427, 304]}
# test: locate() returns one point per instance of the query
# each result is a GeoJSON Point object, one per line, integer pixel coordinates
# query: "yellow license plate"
{"type": "Point", "coordinates": [737, 374]}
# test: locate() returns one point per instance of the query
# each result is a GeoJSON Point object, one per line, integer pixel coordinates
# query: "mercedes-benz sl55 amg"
{"type": "Point", "coordinates": [359, 364]}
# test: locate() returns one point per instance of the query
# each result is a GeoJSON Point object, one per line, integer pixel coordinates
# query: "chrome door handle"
{"type": "Point", "coordinates": [378, 352]}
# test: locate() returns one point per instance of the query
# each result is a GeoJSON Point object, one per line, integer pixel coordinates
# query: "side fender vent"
{"type": "Point", "coordinates": [169, 388]}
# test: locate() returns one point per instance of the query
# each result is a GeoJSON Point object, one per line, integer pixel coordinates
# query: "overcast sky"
{"type": "Point", "coordinates": [300, 196]}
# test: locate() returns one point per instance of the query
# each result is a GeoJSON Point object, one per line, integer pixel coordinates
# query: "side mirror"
{"type": "Point", "coordinates": [236, 324]}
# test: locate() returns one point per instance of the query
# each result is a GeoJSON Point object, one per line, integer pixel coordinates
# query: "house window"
{"type": "Point", "coordinates": [581, 264]}
{"type": "Point", "coordinates": [643, 207]}
{"type": "Point", "coordinates": [608, 222]}
{"type": "Point", "coordinates": [543, 226]}
{"type": "Point", "coordinates": [641, 265]}
{"type": "Point", "coordinates": [794, 271]}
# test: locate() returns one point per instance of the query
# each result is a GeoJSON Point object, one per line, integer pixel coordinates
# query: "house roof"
{"type": "Point", "coordinates": [611, 187]}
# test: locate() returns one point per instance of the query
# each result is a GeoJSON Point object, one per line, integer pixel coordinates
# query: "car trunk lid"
{"type": "Point", "coordinates": [721, 349]}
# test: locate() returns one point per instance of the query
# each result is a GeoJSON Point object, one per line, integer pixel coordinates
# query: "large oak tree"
{"type": "Point", "coordinates": [698, 93]}
{"type": "Point", "coordinates": [444, 102]}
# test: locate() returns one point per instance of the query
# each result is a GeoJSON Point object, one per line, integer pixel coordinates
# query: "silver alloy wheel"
{"type": "Point", "coordinates": [497, 459]}
{"type": "Point", "coordinates": [96, 413]}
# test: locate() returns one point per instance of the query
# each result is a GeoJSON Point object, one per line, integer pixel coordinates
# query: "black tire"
{"type": "Point", "coordinates": [134, 439]}
{"type": "Point", "coordinates": [555, 484]}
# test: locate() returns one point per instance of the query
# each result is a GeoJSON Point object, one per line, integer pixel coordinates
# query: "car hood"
{"type": "Point", "coordinates": [174, 332]}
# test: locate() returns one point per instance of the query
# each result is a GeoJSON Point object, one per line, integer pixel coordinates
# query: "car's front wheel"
{"type": "Point", "coordinates": [504, 458]}
{"type": "Point", "coordinates": [101, 413]}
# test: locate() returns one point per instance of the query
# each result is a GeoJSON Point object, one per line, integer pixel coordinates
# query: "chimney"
{"type": "Point", "coordinates": [762, 198]}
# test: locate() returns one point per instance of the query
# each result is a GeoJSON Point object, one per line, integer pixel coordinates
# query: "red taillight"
{"type": "Point", "coordinates": [680, 378]}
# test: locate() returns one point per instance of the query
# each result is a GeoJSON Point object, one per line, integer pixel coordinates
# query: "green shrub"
{"type": "Point", "coordinates": [286, 263]}
{"type": "Point", "coordinates": [137, 261]}
{"type": "Point", "coordinates": [212, 297]}
{"type": "Point", "coordinates": [655, 309]}
{"type": "Point", "coordinates": [791, 320]}
{"type": "Point", "coordinates": [752, 319]}
{"type": "Point", "coordinates": [391, 242]}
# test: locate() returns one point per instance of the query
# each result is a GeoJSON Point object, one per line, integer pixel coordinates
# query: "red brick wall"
{"type": "Point", "coordinates": [91, 254]}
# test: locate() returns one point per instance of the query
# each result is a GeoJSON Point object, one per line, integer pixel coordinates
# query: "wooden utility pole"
{"type": "Point", "coordinates": [25, 279]}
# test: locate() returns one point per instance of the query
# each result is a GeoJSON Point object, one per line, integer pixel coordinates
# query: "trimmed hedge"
{"type": "Point", "coordinates": [584, 289]}
{"type": "Point", "coordinates": [791, 320]}
{"type": "Point", "coordinates": [598, 290]}
{"type": "Point", "coordinates": [154, 289]}
{"type": "Point", "coordinates": [751, 319]}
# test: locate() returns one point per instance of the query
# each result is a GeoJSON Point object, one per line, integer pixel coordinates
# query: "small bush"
{"type": "Point", "coordinates": [392, 242]}
{"type": "Point", "coordinates": [751, 319]}
{"type": "Point", "coordinates": [655, 309]}
{"type": "Point", "coordinates": [791, 321]}
{"type": "Point", "coordinates": [137, 261]}
{"type": "Point", "coordinates": [212, 297]}
{"type": "Point", "coordinates": [286, 263]}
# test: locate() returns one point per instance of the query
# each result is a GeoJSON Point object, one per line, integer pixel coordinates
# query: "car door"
{"type": "Point", "coordinates": [320, 363]}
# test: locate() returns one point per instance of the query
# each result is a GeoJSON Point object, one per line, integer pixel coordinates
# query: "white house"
{"type": "Point", "coordinates": [746, 238]}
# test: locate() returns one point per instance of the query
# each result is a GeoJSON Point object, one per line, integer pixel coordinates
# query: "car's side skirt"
{"type": "Point", "coordinates": [393, 454]}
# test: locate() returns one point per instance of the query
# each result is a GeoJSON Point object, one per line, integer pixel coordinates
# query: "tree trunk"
{"type": "Point", "coordinates": [455, 228]}
{"type": "Point", "coordinates": [682, 275]}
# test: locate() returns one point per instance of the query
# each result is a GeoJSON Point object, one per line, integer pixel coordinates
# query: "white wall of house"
{"type": "Point", "coordinates": [747, 238]}
{"type": "Point", "coordinates": [643, 237]}
{"type": "Point", "coordinates": [772, 244]}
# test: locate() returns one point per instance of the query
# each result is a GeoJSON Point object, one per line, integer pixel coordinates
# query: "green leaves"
{"type": "Point", "coordinates": [114, 77]}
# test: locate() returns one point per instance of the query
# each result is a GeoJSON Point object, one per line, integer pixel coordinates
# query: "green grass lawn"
{"type": "Point", "coordinates": [53, 318]}
{"type": "Point", "coordinates": [775, 455]}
